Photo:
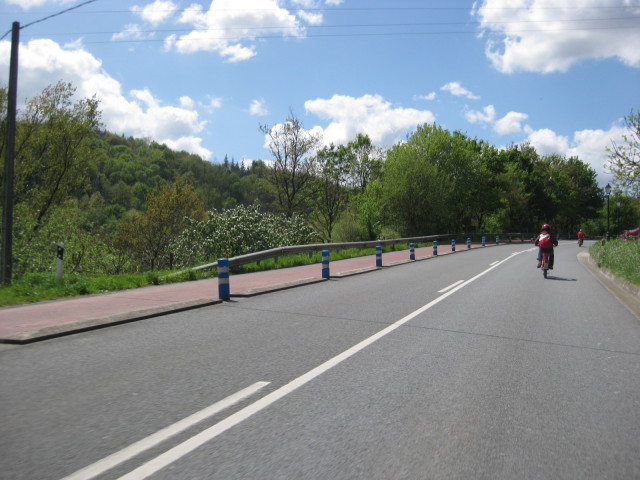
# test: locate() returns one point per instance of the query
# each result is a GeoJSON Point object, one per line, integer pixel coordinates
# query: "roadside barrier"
{"type": "Point", "coordinates": [224, 264]}
{"type": "Point", "coordinates": [325, 264]}
{"type": "Point", "coordinates": [224, 291]}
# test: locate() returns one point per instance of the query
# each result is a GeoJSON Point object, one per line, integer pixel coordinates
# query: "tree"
{"type": "Point", "coordinates": [150, 236]}
{"type": "Point", "coordinates": [331, 192]}
{"type": "Point", "coordinates": [54, 138]}
{"type": "Point", "coordinates": [625, 159]}
{"type": "Point", "coordinates": [415, 191]}
{"type": "Point", "coordinates": [364, 161]}
{"type": "Point", "coordinates": [293, 149]}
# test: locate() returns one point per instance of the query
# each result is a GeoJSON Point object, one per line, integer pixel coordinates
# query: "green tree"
{"type": "Point", "coordinates": [292, 171]}
{"type": "Point", "coordinates": [54, 139]}
{"type": "Point", "coordinates": [332, 168]}
{"type": "Point", "coordinates": [415, 191]}
{"type": "Point", "coordinates": [150, 236]}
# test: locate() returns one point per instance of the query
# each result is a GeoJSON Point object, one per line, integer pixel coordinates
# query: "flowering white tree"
{"type": "Point", "coordinates": [625, 159]}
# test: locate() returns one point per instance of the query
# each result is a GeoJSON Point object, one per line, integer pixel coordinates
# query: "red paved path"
{"type": "Point", "coordinates": [25, 323]}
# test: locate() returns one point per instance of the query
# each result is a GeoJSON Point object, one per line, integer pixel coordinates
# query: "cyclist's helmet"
{"type": "Point", "coordinates": [546, 227]}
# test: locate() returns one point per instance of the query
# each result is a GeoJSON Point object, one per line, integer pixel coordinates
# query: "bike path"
{"type": "Point", "coordinates": [39, 321]}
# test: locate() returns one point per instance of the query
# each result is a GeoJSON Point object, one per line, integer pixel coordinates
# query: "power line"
{"type": "Point", "coordinates": [364, 25]}
{"type": "Point", "coordinates": [51, 16]}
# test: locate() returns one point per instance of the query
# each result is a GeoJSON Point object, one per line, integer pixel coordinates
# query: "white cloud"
{"type": "Point", "coordinates": [488, 115]}
{"type": "Point", "coordinates": [458, 90]}
{"type": "Point", "coordinates": [552, 35]}
{"type": "Point", "coordinates": [228, 24]}
{"type": "Point", "coordinates": [258, 108]}
{"type": "Point", "coordinates": [157, 12]}
{"type": "Point", "coordinates": [187, 102]}
{"type": "Point", "coordinates": [369, 114]}
{"type": "Point", "coordinates": [510, 123]}
{"type": "Point", "coordinates": [429, 96]}
{"type": "Point", "coordinates": [547, 142]}
{"type": "Point", "coordinates": [131, 31]}
{"type": "Point", "coordinates": [311, 18]}
{"type": "Point", "coordinates": [140, 114]}
{"type": "Point", "coordinates": [588, 145]}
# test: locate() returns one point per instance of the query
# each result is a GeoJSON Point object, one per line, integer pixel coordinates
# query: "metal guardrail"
{"type": "Point", "coordinates": [315, 247]}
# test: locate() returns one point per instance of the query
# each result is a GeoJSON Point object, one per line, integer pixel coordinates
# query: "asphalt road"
{"type": "Point", "coordinates": [377, 376]}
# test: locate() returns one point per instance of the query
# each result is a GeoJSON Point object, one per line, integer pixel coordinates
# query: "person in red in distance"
{"type": "Point", "coordinates": [546, 241]}
{"type": "Point", "coordinates": [580, 237]}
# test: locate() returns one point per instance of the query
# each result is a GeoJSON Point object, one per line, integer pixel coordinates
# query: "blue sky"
{"type": "Point", "coordinates": [202, 76]}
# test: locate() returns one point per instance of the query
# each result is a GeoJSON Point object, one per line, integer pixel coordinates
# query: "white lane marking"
{"type": "Point", "coordinates": [494, 263]}
{"type": "Point", "coordinates": [450, 286]}
{"type": "Point", "coordinates": [170, 456]}
{"type": "Point", "coordinates": [152, 440]}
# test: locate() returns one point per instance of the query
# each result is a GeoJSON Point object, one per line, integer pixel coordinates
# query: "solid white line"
{"type": "Point", "coordinates": [450, 286]}
{"type": "Point", "coordinates": [210, 433]}
{"type": "Point", "coordinates": [494, 263]}
{"type": "Point", "coordinates": [140, 446]}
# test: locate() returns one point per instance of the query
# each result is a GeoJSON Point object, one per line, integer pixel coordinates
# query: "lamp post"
{"type": "Point", "coordinates": [607, 190]}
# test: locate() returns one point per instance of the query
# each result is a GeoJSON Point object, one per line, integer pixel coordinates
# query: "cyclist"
{"type": "Point", "coordinates": [546, 241]}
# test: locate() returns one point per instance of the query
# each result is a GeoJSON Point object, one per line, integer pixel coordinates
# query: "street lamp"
{"type": "Point", "coordinates": [607, 190]}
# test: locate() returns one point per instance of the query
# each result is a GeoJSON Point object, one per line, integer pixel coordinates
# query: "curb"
{"type": "Point", "coordinates": [625, 291]}
{"type": "Point", "coordinates": [54, 331]}
{"type": "Point", "coordinates": [252, 292]}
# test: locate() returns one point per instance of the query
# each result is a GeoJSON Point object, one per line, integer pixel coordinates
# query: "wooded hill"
{"type": "Point", "coordinates": [125, 204]}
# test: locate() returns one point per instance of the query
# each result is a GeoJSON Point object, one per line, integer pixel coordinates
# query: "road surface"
{"type": "Point", "coordinates": [463, 366]}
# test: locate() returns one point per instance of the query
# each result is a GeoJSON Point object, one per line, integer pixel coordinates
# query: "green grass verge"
{"type": "Point", "coordinates": [37, 287]}
{"type": "Point", "coordinates": [622, 258]}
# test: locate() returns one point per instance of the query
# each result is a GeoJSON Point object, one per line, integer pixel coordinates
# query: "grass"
{"type": "Point", "coordinates": [622, 258]}
{"type": "Point", "coordinates": [37, 287]}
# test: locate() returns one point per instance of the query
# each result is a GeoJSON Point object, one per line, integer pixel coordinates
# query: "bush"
{"type": "Point", "coordinates": [238, 231]}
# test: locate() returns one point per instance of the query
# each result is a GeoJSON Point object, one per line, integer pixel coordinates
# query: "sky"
{"type": "Point", "coordinates": [203, 76]}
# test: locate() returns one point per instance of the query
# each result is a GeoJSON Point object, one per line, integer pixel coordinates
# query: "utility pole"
{"type": "Point", "coordinates": [7, 205]}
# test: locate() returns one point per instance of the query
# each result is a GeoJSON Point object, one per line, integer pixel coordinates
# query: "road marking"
{"type": "Point", "coordinates": [177, 452]}
{"type": "Point", "coordinates": [140, 446]}
{"type": "Point", "coordinates": [494, 263]}
{"type": "Point", "coordinates": [450, 286]}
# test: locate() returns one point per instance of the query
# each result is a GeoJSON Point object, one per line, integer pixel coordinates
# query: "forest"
{"type": "Point", "coordinates": [122, 204]}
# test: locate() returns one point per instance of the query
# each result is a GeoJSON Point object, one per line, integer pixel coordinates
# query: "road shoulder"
{"type": "Point", "coordinates": [625, 291]}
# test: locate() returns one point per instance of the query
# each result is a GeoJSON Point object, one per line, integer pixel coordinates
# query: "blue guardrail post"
{"type": "Point", "coordinates": [453, 245]}
{"type": "Point", "coordinates": [484, 241]}
{"type": "Point", "coordinates": [412, 251]}
{"type": "Point", "coordinates": [325, 264]}
{"type": "Point", "coordinates": [223, 279]}
{"type": "Point", "coordinates": [435, 247]}
{"type": "Point", "coordinates": [468, 242]}
{"type": "Point", "coordinates": [378, 256]}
